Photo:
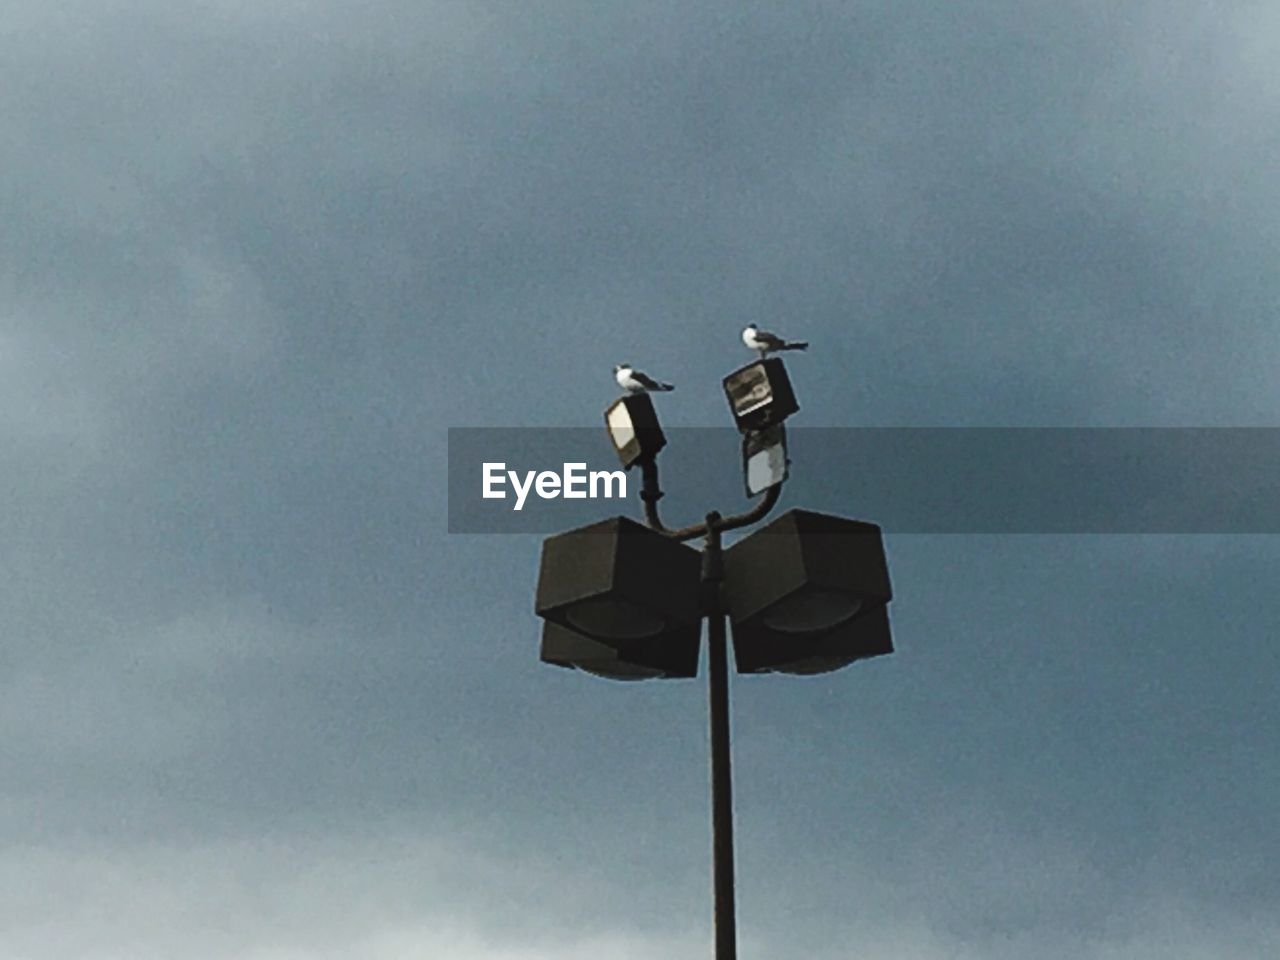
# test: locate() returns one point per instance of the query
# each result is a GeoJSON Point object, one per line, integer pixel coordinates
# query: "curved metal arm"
{"type": "Point", "coordinates": [651, 493]}
{"type": "Point", "coordinates": [756, 513]}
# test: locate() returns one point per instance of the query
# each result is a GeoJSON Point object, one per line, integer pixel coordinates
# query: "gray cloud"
{"type": "Point", "coordinates": [255, 260]}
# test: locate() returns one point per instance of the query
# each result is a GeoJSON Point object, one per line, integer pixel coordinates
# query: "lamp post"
{"type": "Point", "coordinates": [806, 594]}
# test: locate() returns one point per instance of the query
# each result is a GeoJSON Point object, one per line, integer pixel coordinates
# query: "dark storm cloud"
{"type": "Point", "coordinates": [255, 260]}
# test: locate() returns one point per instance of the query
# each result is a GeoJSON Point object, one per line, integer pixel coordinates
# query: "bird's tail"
{"type": "Point", "coordinates": [665, 386]}
{"type": "Point", "coordinates": [795, 345]}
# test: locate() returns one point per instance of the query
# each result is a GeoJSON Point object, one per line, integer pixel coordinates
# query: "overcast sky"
{"type": "Point", "coordinates": [257, 258]}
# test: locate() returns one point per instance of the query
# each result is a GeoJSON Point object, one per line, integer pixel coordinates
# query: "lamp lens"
{"type": "Point", "coordinates": [811, 611]}
{"type": "Point", "coordinates": [766, 468]}
{"type": "Point", "coordinates": [749, 390]}
{"type": "Point", "coordinates": [610, 619]}
{"type": "Point", "coordinates": [811, 665]}
{"type": "Point", "coordinates": [621, 429]}
{"type": "Point", "coordinates": [614, 670]}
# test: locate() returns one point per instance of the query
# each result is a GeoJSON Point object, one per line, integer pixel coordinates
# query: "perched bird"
{"type": "Point", "coordinates": [767, 342]}
{"type": "Point", "coordinates": [633, 381]}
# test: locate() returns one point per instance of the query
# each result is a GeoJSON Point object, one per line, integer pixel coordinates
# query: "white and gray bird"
{"type": "Point", "coordinates": [633, 381]}
{"type": "Point", "coordinates": [767, 342]}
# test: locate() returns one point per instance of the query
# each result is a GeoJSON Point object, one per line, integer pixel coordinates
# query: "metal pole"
{"type": "Point", "coordinates": [713, 612]}
{"type": "Point", "coordinates": [721, 773]}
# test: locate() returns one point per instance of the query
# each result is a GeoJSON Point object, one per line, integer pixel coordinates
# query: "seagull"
{"type": "Point", "coordinates": [633, 381]}
{"type": "Point", "coordinates": [767, 342]}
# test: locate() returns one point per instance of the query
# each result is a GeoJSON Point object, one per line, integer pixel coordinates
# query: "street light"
{"type": "Point", "coordinates": [760, 394]}
{"type": "Point", "coordinates": [862, 637]}
{"type": "Point", "coordinates": [634, 661]}
{"type": "Point", "coordinates": [806, 594]}
{"type": "Point", "coordinates": [764, 459]}
{"type": "Point", "coordinates": [634, 429]}
{"type": "Point", "coordinates": [625, 588]}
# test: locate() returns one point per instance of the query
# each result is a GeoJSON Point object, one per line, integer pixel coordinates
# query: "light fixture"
{"type": "Point", "coordinates": [760, 395]}
{"type": "Point", "coordinates": [634, 429]}
{"type": "Point", "coordinates": [629, 592]}
{"type": "Point", "coordinates": [807, 593]}
{"type": "Point", "coordinates": [641, 661]}
{"type": "Point", "coordinates": [764, 459]}
{"type": "Point", "coordinates": [757, 650]}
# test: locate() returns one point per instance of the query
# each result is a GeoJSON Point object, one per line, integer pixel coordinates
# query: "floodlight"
{"type": "Point", "coordinates": [807, 593]}
{"type": "Point", "coordinates": [760, 395]}
{"type": "Point", "coordinates": [634, 429]}
{"type": "Point", "coordinates": [764, 459]}
{"type": "Point", "coordinates": [641, 661]}
{"type": "Point", "coordinates": [622, 585]}
{"type": "Point", "coordinates": [758, 650]}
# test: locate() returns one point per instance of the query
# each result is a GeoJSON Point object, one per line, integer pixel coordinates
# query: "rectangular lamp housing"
{"type": "Point", "coordinates": [760, 395]}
